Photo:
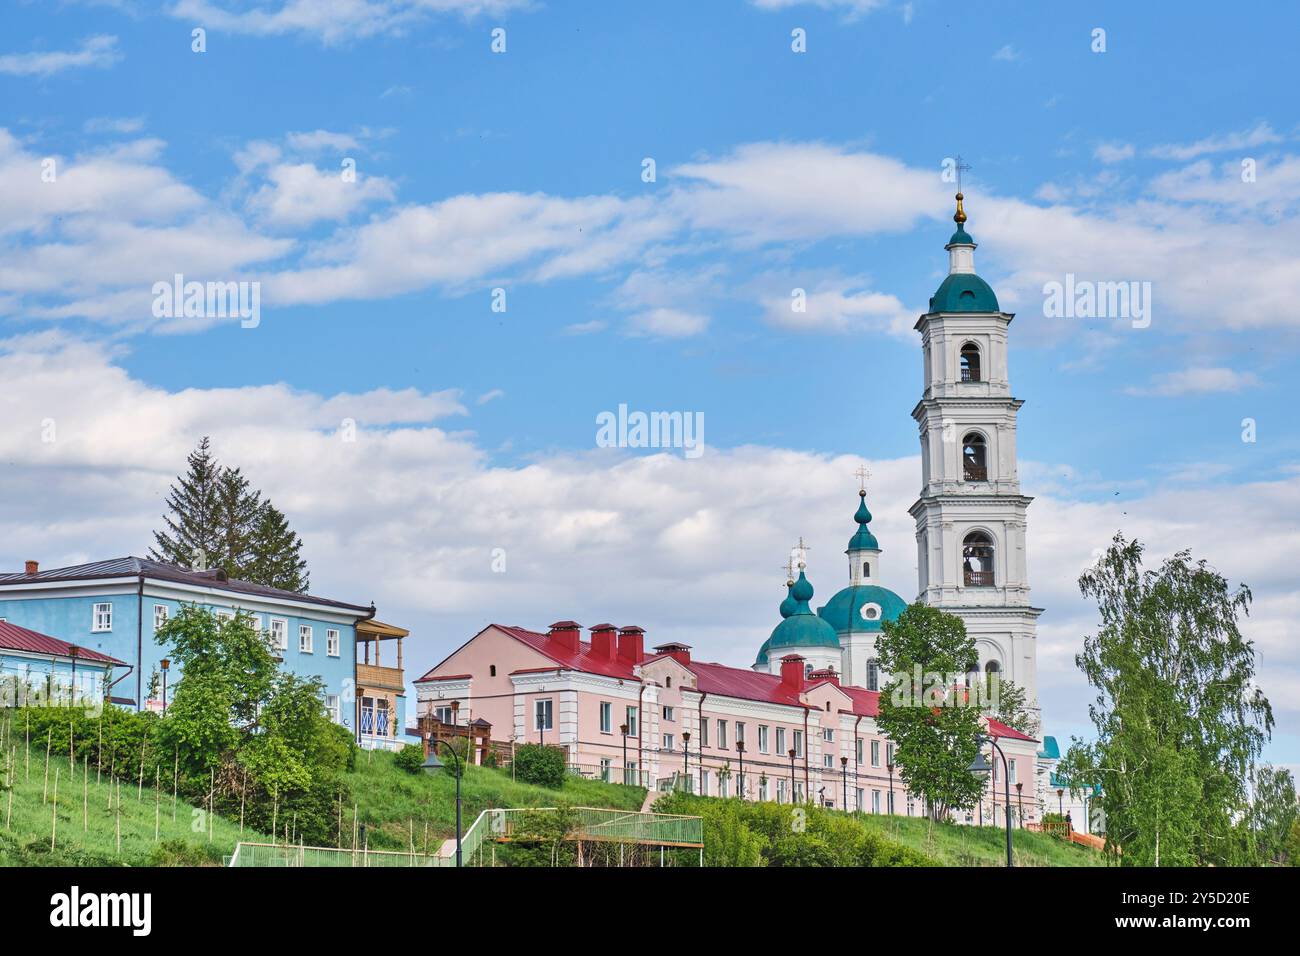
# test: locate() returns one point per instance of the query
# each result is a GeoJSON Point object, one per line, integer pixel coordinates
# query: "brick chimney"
{"type": "Point", "coordinates": [631, 644]}
{"type": "Point", "coordinates": [604, 641]}
{"type": "Point", "coordinates": [33, 567]}
{"type": "Point", "coordinates": [825, 673]}
{"type": "Point", "coordinates": [567, 634]}
{"type": "Point", "coordinates": [678, 652]}
{"type": "Point", "coordinates": [792, 672]}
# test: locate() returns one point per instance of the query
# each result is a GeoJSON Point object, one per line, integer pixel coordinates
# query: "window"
{"type": "Point", "coordinates": [332, 707]}
{"type": "Point", "coordinates": [780, 741]}
{"type": "Point", "coordinates": [875, 753]}
{"type": "Point", "coordinates": [159, 616]}
{"type": "Point", "coordinates": [722, 734]}
{"type": "Point", "coordinates": [668, 714]}
{"type": "Point", "coordinates": [279, 634]}
{"type": "Point", "coordinates": [332, 641]}
{"type": "Point", "coordinates": [866, 569]}
{"type": "Point", "coordinates": [304, 638]}
{"type": "Point", "coordinates": [798, 743]}
{"type": "Point", "coordinates": [492, 670]}
{"type": "Point", "coordinates": [668, 681]}
{"type": "Point", "coordinates": [857, 746]}
{"type": "Point", "coordinates": [828, 761]}
{"type": "Point", "coordinates": [381, 718]}
{"type": "Point", "coordinates": [875, 801]}
{"type": "Point", "coordinates": [992, 667]}
{"type": "Point", "coordinates": [668, 741]}
{"type": "Point", "coordinates": [889, 753]}
{"type": "Point", "coordinates": [704, 783]}
{"type": "Point", "coordinates": [828, 735]}
{"type": "Point", "coordinates": [225, 615]}
{"type": "Point", "coordinates": [970, 362]}
{"type": "Point", "coordinates": [604, 769]}
{"type": "Point", "coordinates": [740, 732]}
{"type": "Point", "coordinates": [873, 675]}
{"type": "Point", "coordinates": [606, 717]}
{"type": "Point", "coordinates": [542, 715]}
{"type": "Point", "coordinates": [102, 618]}
{"type": "Point", "coordinates": [1011, 771]}
{"type": "Point", "coordinates": [780, 790]}
{"type": "Point", "coordinates": [631, 721]}
{"type": "Point", "coordinates": [442, 714]}
{"type": "Point", "coordinates": [762, 740]}
{"type": "Point", "coordinates": [977, 560]}
{"type": "Point", "coordinates": [704, 731]}
{"type": "Point", "coordinates": [722, 786]}
{"type": "Point", "coordinates": [255, 622]}
{"type": "Point", "coordinates": [629, 773]}
{"type": "Point", "coordinates": [762, 788]}
{"type": "Point", "coordinates": [857, 795]}
{"type": "Point", "coordinates": [974, 459]}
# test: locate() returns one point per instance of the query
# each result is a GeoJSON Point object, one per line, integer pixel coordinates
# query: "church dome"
{"type": "Point", "coordinates": [789, 605]}
{"type": "Point", "coordinates": [863, 539]}
{"type": "Point", "coordinates": [801, 629]}
{"type": "Point", "coordinates": [861, 607]}
{"type": "Point", "coordinates": [964, 292]}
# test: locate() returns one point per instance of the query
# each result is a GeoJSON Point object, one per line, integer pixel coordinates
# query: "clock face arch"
{"type": "Point", "coordinates": [870, 611]}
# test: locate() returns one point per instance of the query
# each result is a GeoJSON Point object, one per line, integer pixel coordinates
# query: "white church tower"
{"type": "Point", "coordinates": [970, 517]}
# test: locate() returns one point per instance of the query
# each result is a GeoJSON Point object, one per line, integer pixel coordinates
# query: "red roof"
{"type": "Point", "coordinates": [15, 638]}
{"type": "Point", "coordinates": [998, 729]}
{"type": "Point", "coordinates": [584, 660]}
{"type": "Point", "coordinates": [737, 682]}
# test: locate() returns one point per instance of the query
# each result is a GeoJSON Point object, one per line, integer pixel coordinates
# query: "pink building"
{"type": "Point", "coordinates": [663, 719]}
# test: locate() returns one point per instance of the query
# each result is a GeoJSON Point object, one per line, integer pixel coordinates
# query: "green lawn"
{"type": "Point", "coordinates": [86, 832]}
{"type": "Point", "coordinates": [394, 804]}
{"type": "Point", "coordinates": [954, 845]}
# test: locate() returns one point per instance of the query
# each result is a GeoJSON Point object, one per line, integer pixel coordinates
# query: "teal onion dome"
{"type": "Point", "coordinates": [961, 237]}
{"type": "Point", "coordinates": [789, 605]}
{"type": "Point", "coordinates": [964, 292]}
{"type": "Point", "coordinates": [862, 607]}
{"type": "Point", "coordinates": [863, 539]}
{"type": "Point", "coordinates": [801, 629]}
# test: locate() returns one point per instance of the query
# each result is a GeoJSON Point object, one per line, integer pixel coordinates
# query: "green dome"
{"type": "Point", "coordinates": [844, 612]}
{"type": "Point", "coordinates": [789, 605]}
{"type": "Point", "coordinates": [863, 539]}
{"type": "Point", "coordinates": [802, 628]}
{"type": "Point", "coordinates": [961, 237]}
{"type": "Point", "coordinates": [964, 292]}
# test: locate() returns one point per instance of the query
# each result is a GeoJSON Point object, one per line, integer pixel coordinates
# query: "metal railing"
{"type": "Point", "coordinates": [978, 579]}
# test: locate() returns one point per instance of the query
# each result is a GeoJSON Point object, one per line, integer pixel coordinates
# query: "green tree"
{"type": "Point", "coordinates": [1007, 703]}
{"type": "Point", "coordinates": [277, 552]}
{"type": "Point", "coordinates": [192, 538]}
{"type": "Point", "coordinates": [924, 713]}
{"type": "Point", "coordinates": [239, 507]}
{"type": "Point", "coordinates": [1272, 814]}
{"type": "Point", "coordinates": [1179, 721]}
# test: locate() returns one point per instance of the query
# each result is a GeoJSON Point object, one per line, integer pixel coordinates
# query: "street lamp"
{"type": "Point", "coordinates": [1020, 807]}
{"type": "Point", "coordinates": [980, 765]}
{"type": "Point", "coordinates": [1060, 802]}
{"type": "Point", "coordinates": [165, 664]}
{"type": "Point", "coordinates": [686, 759]}
{"type": "Point", "coordinates": [889, 765]}
{"type": "Point", "coordinates": [73, 651]}
{"type": "Point", "coordinates": [844, 773]}
{"type": "Point", "coordinates": [622, 729]}
{"type": "Point", "coordinates": [792, 775]}
{"type": "Point", "coordinates": [432, 765]}
{"type": "Point", "coordinates": [740, 750]}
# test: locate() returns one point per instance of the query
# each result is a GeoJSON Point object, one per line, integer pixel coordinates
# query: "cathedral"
{"type": "Point", "coordinates": [970, 515]}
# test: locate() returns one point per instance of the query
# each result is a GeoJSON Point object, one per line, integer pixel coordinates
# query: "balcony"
{"type": "Point", "coordinates": [377, 677]}
{"type": "Point", "coordinates": [978, 579]}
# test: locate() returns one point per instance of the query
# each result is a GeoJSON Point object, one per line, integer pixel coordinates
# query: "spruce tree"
{"type": "Point", "coordinates": [277, 552]}
{"type": "Point", "coordinates": [193, 534]}
{"type": "Point", "coordinates": [239, 507]}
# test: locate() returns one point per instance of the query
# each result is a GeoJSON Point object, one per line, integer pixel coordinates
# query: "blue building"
{"type": "Point", "coordinates": [38, 669]}
{"type": "Point", "coordinates": [114, 608]}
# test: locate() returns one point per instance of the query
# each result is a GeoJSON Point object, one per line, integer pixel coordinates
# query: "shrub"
{"type": "Point", "coordinates": [410, 758]}
{"type": "Point", "coordinates": [540, 764]}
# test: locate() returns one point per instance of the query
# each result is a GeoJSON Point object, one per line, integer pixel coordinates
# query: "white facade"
{"type": "Point", "coordinates": [970, 487]}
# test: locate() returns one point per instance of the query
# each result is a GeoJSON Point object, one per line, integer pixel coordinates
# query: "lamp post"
{"type": "Point", "coordinates": [686, 759]}
{"type": "Point", "coordinates": [165, 664]}
{"type": "Point", "coordinates": [740, 751]}
{"type": "Point", "coordinates": [844, 773]}
{"type": "Point", "coordinates": [432, 765]}
{"type": "Point", "coordinates": [73, 651]}
{"type": "Point", "coordinates": [890, 767]}
{"type": "Point", "coordinates": [1020, 807]}
{"type": "Point", "coordinates": [792, 775]}
{"type": "Point", "coordinates": [622, 729]}
{"type": "Point", "coordinates": [1060, 802]}
{"type": "Point", "coordinates": [980, 765]}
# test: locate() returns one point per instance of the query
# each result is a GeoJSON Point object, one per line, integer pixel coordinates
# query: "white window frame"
{"type": "Point", "coordinates": [101, 617]}
{"type": "Point", "coordinates": [166, 615]}
{"type": "Point", "coordinates": [704, 732]}
{"type": "Point", "coordinates": [875, 753]}
{"type": "Point", "coordinates": [762, 739]}
{"type": "Point", "coordinates": [332, 642]}
{"type": "Point", "coordinates": [333, 707]}
{"type": "Point", "coordinates": [307, 646]}
{"type": "Point", "coordinates": [798, 743]}
{"type": "Point", "coordinates": [606, 717]}
{"type": "Point", "coordinates": [255, 622]}
{"type": "Point", "coordinates": [543, 706]}
{"type": "Point", "coordinates": [632, 714]}
{"type": "Point", "coordinates": [722, 735]}
{"type": "Point", "coordinates": [740, 732]}
{"type": "Point", "coordinates": [828, 734]}
{"type": "Point", "coordinates": [280, 638]}
{"type": "Point", "coordinates": [224, 614]}
{"type": "Point", "coordinates": [669, 713]}
{"type": "Point", "coordinates": [668, 741]}
{"type": "Point", "coordinates": [780, 741]}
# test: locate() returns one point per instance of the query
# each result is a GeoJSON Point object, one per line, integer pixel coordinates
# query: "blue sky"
{"type": "Point", "coordinates": [775, 170]}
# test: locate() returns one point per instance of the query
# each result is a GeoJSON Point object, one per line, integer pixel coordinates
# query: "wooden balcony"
{"type": "Point", "coordinates": [376, 677]}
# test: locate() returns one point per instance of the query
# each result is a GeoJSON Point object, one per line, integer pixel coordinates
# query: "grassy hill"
{"type": "Point", "coordinates": [86, 831]}
{"type": "Point", "coordinates": [953, 845]}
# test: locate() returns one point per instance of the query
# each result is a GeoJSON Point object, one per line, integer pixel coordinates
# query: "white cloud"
{"type": "Point", "coordinates": [853, 8]}
{"type": "Point", "coordinates": [1196, 381]}
{"type": "Point", "coordinates": [299, 194]}
{"type": "Point", "coordinates": [1260, 135]}
{"type": "Point", "coordinates": [841, 306]}
{"type": "Point", "coordinates": [114, 125]}
{"type": "Point", "coordinates": [1113, 152]}
{"type": "Point", "coordinates": [97, 51]}
{"type": "Point", "coordinates": [490, 396]}
{"type": "Point", "coordinates": [667, 324]}
{"type": "Point", "coordinates": [1006, 54]}
{"type": "Point", "coordinates": [585, 328]}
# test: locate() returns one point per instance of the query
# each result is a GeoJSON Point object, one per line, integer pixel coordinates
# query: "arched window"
{"type": "Point", "coordinates": [668, 682]}
{"type": "Point", "coordinates": [977, 560]}
{"type": "Point", "coordinates": [493, 669]}
{"type": "Point", "coordinates": [866, 569]}
{"type": "Point", "coordinates": [974, 458]}
{"type": "Point", "coordinates": [991, 668]}
{"type": "Point", "coordinates": [807, 670]}
{"type": "Point", "coordinates": [970, 362]}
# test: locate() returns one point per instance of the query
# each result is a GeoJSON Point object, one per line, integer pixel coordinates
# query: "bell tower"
{"type": "Point", "coordinates": [970, 516]}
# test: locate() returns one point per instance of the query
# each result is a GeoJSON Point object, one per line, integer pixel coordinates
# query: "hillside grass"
{"type": "Point", "coordinates": [400, 808]}
{"type": "Point", "coordinates": [86, 832]}
{"type": "Point", "coordinates": [953, 845]}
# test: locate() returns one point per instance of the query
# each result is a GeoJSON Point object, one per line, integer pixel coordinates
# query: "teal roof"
{"type": "Point", "coordinates": [961, 237]}
{"type": "Point", "coordinates": [843, 612]}
{"type": "Point", "coordinates": [964, 292]}
{"type": "Point", "coordinates": [1050, 751]}
{"type": "Point", "coordinates": [789, 605]}
{"type": "Point", "coordinates": [802, 628]}
{"type": "Point", "coordinates": [863, 539]}
{"type": "Point", "coordinates": [1058, 784]}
